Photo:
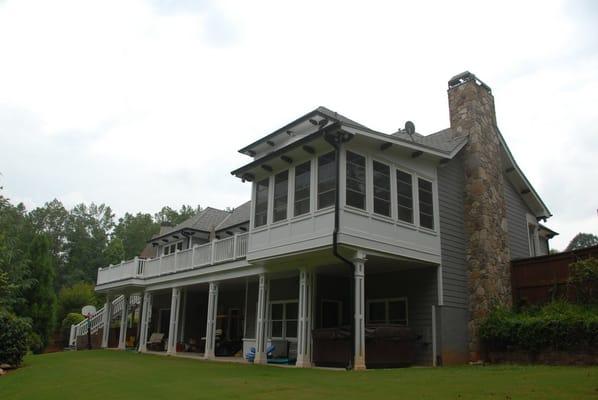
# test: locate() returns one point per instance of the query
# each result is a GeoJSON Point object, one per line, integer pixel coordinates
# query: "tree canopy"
{"type": "Point", "coordinates": [49, 257]}
{"type": "Point", "coordinates": [581, 241]}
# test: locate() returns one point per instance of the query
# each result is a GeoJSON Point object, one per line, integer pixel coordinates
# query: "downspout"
{"type": "Point", "coordinates": [336, 140]}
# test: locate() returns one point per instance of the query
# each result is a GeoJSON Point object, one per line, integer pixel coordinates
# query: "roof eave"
{"type": "Point", "coordinates": [240, 172]}
{"type": "Point", "coordinates": [545, 212]}
{"type": "Point", "coordinates": [303, 118]}
{"type": "Point", "coordinates": [157, 238]}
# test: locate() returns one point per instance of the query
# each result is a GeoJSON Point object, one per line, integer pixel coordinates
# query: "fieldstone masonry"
{"type": "Point", "coordinates": [471, 107]}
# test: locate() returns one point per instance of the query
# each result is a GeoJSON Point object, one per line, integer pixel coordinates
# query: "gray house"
{"type": "Point", "coordinates": [358, 248]}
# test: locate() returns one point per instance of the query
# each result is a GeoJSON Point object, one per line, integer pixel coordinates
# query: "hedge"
{"type": "Point", "coordinates": [14, 335]}
{"type": "Point", "coordinates": [556, 326]}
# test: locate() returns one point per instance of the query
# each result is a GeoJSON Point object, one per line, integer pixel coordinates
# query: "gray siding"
{"type": "Point", "coordinates": [453, 240]}
{"type": "Point", "coordinates": [517, 223]}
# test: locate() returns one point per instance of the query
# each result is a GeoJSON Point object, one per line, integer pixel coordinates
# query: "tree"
{"type": "Point", "coordinates": [52, 220]}
{"type": "Point", "coordinates": [72, 298]}
{"type": "Point", "coordinates": [88, 230]}
{"type": "Point", "coordinates": [115, 251]}
{"type": "Point", "coordinates": [40, 305]}
{"type": "Point", "coordinates": [173, 217]}
{"type": "Point", "coordinates": [15, 236]}
{"type": "Point", "coordinates": [581, 241]}
{"type": "Point", "coordinates": [134, 231]}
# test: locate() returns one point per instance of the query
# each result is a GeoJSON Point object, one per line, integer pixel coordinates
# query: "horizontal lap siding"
{"type": "Point", "coordinates": [453, 240]}
{"type": "Point", "coordinates": [517, 223]}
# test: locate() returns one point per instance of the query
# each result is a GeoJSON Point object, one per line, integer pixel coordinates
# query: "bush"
{"type": "Point", "coordinates": [35, 343]}
{"type": "Point", "coordinates": [70, 319]}
{"type": "Point", "coordinates": [72, 298]}
{"type": "Point", "coordinates": [556, 326]}
{"type": "Point", "coordinates": [583, 279]}
{"type": "Point", "coordinates": [14, 333]}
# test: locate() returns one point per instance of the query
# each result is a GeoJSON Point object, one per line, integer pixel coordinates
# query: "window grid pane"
{"type": "Point", "coordinates": [261, 203]}
{"type": "Point", "coordinates": [381, 189]}
{"type": "Point", "coordinates": [302, 188]}
{"type": "Point", "coordinates": [404, 196]}
{"type": "Point", "coordinates": [281, 188]}
{"type": "Point", "coordinates": [326, 180]}
{"type": "Point", "coordinates": [355, 180]}
{"type": "Point", "coordinates": [426, 207]}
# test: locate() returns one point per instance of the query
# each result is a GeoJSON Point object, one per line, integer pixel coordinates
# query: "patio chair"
{"type": "Point", "coordinates": [250, 356]}
{"type": "Point", "coordinates": [156, 342]}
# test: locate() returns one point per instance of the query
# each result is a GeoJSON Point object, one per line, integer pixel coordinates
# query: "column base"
{"type": "Point", "coordinates": [122, 347]}
{"type": "Point", "coordinates": [359, 364]}
{"type": "Point", "coordinates": [142, 349]}
{"type": "Point", "coordinates": [303, 363]}
{"type": "Point", "coordinates": [260, 358]}
{"type": "Point", "coordinates": [209, 356]}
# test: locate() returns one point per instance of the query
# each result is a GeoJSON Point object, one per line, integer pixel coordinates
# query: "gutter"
{"type": "Point", "coordinates": [336, 140]}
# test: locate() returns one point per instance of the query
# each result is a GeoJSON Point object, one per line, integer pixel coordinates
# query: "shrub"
{"type": "Point", "coordinates": [14, 333]}
{"type": "Point", "coordinates": [583, 279]}
{"type": "Point", "coordinates": [72, 298]}
{"type": "Point", "coordinates": [70, 319]}
{"type": "Point", "coordinates": [557, 326]}
{"type": "Point", "coordinates": [35, 343]}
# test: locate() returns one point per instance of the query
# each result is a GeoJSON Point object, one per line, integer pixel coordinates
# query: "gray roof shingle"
{"type": "Point", "coordinates": [204, 220]}
{"type": "Point", "coordinates": [238, 216]}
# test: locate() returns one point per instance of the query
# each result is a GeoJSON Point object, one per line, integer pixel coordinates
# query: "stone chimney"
{"type": "Point", "coordinates": [471, 107]}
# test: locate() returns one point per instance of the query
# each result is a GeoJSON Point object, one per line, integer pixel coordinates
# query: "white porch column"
{"type": "Point", "coordinates": [183, 315]}
{"type": "Point", "coordinates": [359, 361]}
{"type": "Point", "coordinates": [146, 313]}
{"type": "Point", "coordinates": [174, 320]}
{"type": "Point", "coordinates": [304, 323]}
{"type": "Point", "coordinates": [122, 340]}
{"type": "Point", "coordinates": [211, 323]}
{"type": "Point", "coordinates": [107, 320]}
{"type": "Point", "coordinates": [261, 334]}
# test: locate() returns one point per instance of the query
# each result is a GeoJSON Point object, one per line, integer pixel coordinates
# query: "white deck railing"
{"type": "Point", "coordinates": [215, 252]}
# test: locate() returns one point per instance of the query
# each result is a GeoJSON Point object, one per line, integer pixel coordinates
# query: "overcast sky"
{"type": "Point", "coordinates": [140, 104]}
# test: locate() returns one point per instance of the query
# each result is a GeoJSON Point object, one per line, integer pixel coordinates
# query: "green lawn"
{"type": "Point", "coordinates": [111, 375]}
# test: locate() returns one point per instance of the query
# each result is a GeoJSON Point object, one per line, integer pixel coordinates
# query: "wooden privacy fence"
{"type": "Point", "coordinates": [539, 280]}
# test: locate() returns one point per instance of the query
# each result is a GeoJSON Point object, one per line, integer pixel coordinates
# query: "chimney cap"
{"type": "Point", "coordinates": [465, 77]}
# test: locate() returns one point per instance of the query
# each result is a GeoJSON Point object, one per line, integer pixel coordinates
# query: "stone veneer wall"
{"type": "Point", "coordinates": [471, 107]}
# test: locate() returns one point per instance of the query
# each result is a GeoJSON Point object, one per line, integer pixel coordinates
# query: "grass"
{"type": "Point", "coordinates": [104, 374]}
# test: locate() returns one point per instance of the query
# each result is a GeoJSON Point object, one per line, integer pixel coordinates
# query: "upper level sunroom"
{"type": "Point", "coordinates": [388, 199]}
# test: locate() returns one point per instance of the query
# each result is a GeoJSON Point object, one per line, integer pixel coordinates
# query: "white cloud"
{"type": "Point", "coordinates": [144, 103]}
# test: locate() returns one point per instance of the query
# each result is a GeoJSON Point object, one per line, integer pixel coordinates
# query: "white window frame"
{"type": "Point", "coordinates": [366, 178]}
{"type": "Point", "coordinates": [386, 308]}
{"type": "Point", "coordinates": [284, 319]}
{"type": "Point", "coordinates": [169, 245]}
{"type": "Point", "coordinates": [268, 202]}
{"type": "Point", "coordinates": [414, 197]}
{"type": "Point", "coordinates": [533, 238]}
{"type": "Point", "coordinates": [317, 180]}
{"type": "Point", "coordinates": [434, 206]}
{"type": "Point", "coordinates": [294, 188]}
{"type": "Point", "coordinates": [288, 171]}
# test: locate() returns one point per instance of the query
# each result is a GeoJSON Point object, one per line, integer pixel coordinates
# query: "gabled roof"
{"type": "Point", "coordinates": [208, 219]}
{"type": "Point", "coordinates": [521, 183]}
{"type": "Point", "coordinates": [203, 221]}
{"type": "Point", "coordinates": [238, 216]}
